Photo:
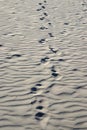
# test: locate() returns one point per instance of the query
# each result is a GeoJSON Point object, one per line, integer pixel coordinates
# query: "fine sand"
{"type": "Point", "coordinates": [43, 65]}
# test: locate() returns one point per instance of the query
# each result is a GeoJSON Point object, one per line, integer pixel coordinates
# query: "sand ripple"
{"type": "Point", "coordinates": [43, 65]}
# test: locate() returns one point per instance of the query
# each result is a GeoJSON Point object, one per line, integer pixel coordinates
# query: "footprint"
{"type": "Point", "coordinates": [39, 115]}
{"type": "Point", "coordinates": [45, 14]}
{"type": "Point", "coordinates": [43, 60]}
{"type": "Point", "coordinates": [42, 28]}
{"type": "Point", "coordinates": [42, 18]}
{"type": "Point", "coordinates": [55, 74]}
{"type": "Point", "coordinates": [50, 34]}
{"type": "Point", "coordinates": [50, 23]}
{"type": "Point", "coordinates": [38, 10]}
{"type": "Point", "coordinates": [42, 40]}
{"type": "Point", "coordinates": [53, 69]}
{"type": "Point", "coordinates": [40, 3]}
{"type": "Point", "coordinates": [43, 7]}
{"type": "Point", "coordinates": [14, 55]}
{"type": "Point", "coordinates": [53, 50]}
{"type": "Point", "coordinates": [45, 1]}
{"type": "Point", "coordinates": [33, 90]}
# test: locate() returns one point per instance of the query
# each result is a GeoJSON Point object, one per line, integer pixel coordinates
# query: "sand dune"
{"type": "Point", "coordinates": [43, 65]}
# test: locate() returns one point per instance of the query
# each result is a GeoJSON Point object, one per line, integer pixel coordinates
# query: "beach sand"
{"type": "Point", "coordinates": [43, 65]}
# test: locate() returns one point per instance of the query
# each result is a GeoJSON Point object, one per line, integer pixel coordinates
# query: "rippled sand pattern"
{"type": "Point", "coordinates": [43, 65]}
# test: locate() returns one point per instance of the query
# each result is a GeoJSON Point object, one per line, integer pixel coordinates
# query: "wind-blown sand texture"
{"type": "Point", "coordinates": [43, 65]}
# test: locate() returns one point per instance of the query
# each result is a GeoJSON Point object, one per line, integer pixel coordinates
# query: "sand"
{"type": "Point", "coordinates": [43, 65]}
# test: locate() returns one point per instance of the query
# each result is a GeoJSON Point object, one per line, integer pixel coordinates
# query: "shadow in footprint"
{"type": "Point", "coordinates": [75, 69]}
{"type": "Point", "coordinates": [16, 55]}
{"type": "Point", "coordinates": [39, 107]}
{"type": "Point", "coordinates": [38, 84]}
{"type": "Point", "coordinates": [8, 57]}
{"type": "Point", "coordinates": [79, 87]}
{"type": "Point", "coordinates": [60, 59]}
{"type": "Point", "coordinates": [50, 86]}
{"type": "Point", "coordinates": [66, 23]}
{"type": "Point", "coordinates": [1, 45]}
{"type": "Point", "coordinates": [33, 102]}
{"type": "Point", "coordinates": [47, 91]}
{"type": "Point", "coordinates": [41, 100]}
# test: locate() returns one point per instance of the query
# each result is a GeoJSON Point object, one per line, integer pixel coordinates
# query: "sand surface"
{"type": "Point", "coordinates": [43, 65]}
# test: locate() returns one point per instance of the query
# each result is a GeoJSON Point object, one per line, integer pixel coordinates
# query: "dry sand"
{"type": "Point", "coordinates": [43, 65]}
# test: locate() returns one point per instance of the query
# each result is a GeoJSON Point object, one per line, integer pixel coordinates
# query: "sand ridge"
{"type": "Point", "coordinates": [43, 65]}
